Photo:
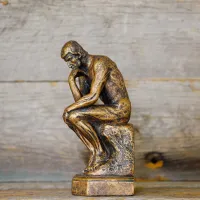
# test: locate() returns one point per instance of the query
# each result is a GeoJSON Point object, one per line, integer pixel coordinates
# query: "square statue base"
{"type": "Point", "coordinates": [83, 185]}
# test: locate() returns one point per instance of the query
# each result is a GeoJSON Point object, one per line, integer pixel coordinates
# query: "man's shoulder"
{"type": "Point", "coordinates": [103, 62]}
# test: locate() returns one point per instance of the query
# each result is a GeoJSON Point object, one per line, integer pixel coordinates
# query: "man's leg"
{"type": "Point", "coordinates": [80, 117]}
{"type": "Point", "coordinates": [88, 132]}
{"type": "Point", "coordinates": [84, 140]}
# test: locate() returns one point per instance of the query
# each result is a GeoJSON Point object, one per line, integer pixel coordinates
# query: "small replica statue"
{"type": "Point", "coordinates": [104, 129]}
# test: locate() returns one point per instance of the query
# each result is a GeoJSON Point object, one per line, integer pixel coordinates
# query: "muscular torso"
{"type": "Point", "coordinates": [114, 91]}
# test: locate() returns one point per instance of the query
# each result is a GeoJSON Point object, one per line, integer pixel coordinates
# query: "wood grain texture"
{"type": "Point", "coordinates": [146, 38]}
{"type": "Point", "coordinates": [36, 145]}
{"type": "Point", "coordinates": [156, 45]}
{"type": "Point", "coordinates": [144, 190]}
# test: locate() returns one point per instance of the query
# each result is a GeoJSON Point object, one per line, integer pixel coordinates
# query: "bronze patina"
{"type": "Point", "coordinates": [104, 129]}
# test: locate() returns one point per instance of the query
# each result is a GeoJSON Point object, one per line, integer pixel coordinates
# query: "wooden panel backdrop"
{"type": "Point", "coordinates": [156, 44]}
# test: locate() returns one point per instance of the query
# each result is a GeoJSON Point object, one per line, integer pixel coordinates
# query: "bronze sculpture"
{"type": "Point", "coordinates": [104, 129]}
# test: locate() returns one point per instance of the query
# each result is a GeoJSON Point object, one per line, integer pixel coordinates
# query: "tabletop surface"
{"type": "Point", "coordinates": [62, 190]}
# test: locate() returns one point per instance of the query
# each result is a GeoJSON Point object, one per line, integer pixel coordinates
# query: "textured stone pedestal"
{"type": "Point", "coordinates": [102, 185]}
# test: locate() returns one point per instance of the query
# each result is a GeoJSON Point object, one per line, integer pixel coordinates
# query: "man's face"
{"type": "Point", "coordinates": [73, 60]}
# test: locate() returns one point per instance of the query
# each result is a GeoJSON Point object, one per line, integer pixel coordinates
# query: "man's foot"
{"type": "Point", "coordinates": [107, 168]}
{"type": "Point", "coordinates": [91, 160]}
{"type": "Point", "coordinates": [99, 160]}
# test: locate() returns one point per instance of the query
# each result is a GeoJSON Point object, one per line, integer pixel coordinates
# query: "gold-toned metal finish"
{"type": "Point", "coordinates": [104, 129]}
{"type": "Point", "coordinates": [102, 186]}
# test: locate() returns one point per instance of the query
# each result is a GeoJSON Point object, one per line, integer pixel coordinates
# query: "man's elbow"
{"type": "Point", "coordinates": [93, 98]}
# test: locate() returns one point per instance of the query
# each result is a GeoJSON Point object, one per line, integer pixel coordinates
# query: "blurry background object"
{"type": "Point", "coordinates": [4, 3]}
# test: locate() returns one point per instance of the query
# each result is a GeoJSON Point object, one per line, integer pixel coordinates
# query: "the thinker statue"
{"type": "Point", "coordinates": [104, 129]}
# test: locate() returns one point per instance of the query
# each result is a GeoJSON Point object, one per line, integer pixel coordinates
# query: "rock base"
{"type": "Point", "coordinates": [119, 141]}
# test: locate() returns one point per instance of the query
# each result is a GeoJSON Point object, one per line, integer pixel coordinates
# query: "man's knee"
{"type": "Point", "coordinates": [74, 116]}
{"type": "Point", "coordinates": [65, 117]}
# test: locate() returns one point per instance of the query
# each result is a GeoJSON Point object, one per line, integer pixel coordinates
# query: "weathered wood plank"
{"type": "Point", "coordinates": [144, 190]}
{"type": "Point", "coordinates": [146, 38]}
{"type": "Point", "coordinates": [36, 145]}
{"type": "Point", "coordinates": [67, 184]}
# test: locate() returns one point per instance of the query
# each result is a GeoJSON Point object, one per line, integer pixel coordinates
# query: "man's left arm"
{"type": "Point", "coordinates": [100, 77]}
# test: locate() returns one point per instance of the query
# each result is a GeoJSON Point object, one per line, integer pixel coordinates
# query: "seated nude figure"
{"type": "Point", "coordinates": [98, 77]}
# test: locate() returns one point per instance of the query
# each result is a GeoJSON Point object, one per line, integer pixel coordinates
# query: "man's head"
{"type": "Point", "coordinates": [72, 53]}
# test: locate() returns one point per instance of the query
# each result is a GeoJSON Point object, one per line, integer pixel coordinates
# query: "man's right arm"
{"type": "Point", "coordinates": [98, 82]}
{"type": "Point", "coordinates": [84, 88]}
{"type": "Point", "coordinates": [72, 83]}
{"type": "Point", "coordinates": [74, 89]}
